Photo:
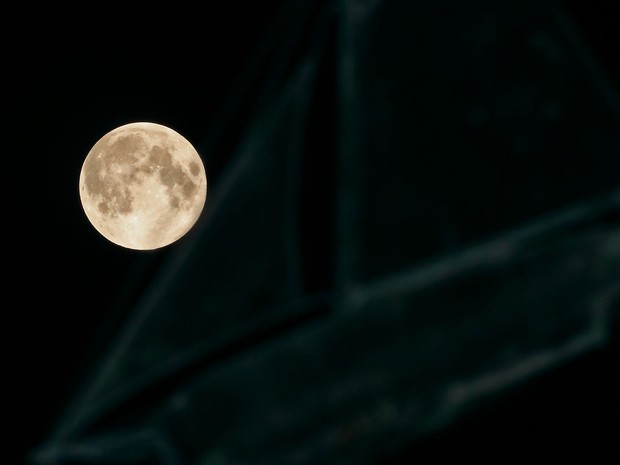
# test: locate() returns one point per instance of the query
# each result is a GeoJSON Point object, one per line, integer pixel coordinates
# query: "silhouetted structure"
{"type": "Point", "coordinates": [415, 218]}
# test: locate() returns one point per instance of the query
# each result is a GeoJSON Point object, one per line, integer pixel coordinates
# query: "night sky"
{"type": "Point", "coordinates": [72, 80]}
{"type": "Point", "coordinates": [78, 80]}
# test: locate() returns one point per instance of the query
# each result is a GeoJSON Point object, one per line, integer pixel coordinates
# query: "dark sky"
{"type": "Point", "coordinates": [75, 75]}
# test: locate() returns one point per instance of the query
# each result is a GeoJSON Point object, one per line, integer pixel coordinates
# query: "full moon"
{"type": "Point", "coordinates": [143, 186]}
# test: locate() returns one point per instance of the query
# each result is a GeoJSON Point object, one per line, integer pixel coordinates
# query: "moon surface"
{"type": "Point", "coordinates": [143, 186]}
